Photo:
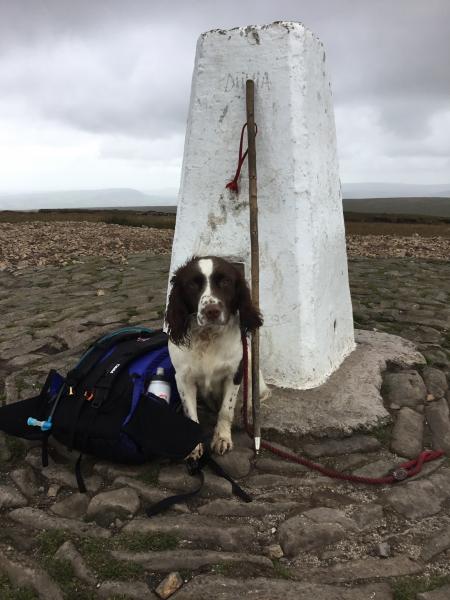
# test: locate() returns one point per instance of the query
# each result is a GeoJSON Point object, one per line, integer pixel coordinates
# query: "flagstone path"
{"type": "Point", "coordinates": [304, 536]}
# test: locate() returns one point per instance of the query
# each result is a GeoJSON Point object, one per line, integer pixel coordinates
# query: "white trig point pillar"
{"type": "Point", "coordinates": [304, 290]}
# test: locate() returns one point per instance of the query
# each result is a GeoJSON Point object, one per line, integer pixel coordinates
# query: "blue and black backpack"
{"type": "Point", "coordinates": [102, 407]}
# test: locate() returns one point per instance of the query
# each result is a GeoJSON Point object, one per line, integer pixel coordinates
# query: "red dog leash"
{"type": "Point", "coordinates": [403, 471]}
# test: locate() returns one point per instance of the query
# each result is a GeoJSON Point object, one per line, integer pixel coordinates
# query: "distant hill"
{"type": "Point", "coordinates": [372, 198]}
{"type": "Point", "coordinates": [395, 190]}
{"type": "Point", "coordinates": [430, 207]}
{"type": "Point", "coordinates": [82, 199]}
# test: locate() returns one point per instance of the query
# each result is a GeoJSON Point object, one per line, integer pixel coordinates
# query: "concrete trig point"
{"type": "Point", "coordinates": [304, 291]}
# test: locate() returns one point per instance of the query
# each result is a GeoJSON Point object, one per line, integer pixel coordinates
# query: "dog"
{"type": "Point", "coordinates": [208, 311]}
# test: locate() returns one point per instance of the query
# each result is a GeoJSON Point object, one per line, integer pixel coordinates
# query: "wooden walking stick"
{"type": "Point", "coordinates": [254, 245]}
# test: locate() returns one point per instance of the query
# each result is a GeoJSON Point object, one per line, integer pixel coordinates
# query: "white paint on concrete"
{"type": "Point", "coordinates": [305, 299]}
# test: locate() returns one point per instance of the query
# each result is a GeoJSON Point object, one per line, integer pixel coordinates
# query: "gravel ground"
{"type": "Point", "coordinates": [390, 246]}
{"type": "Point", "coordinates": [59, 243]}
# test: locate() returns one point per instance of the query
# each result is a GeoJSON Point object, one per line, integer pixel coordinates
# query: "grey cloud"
{"type": "Point", "coordinates": [101, 66]}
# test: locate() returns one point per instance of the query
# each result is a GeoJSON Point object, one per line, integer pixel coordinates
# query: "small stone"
{"type": "Point", "coordinates": [299, 534]}
{"type": "Point", "coordinates": [430, 398]}
{"type": "Point", "coordinates": [437, 415]}
{"type": "Point", "coordinates": [407, 433]}
{"type": "Point", "coordinates": [275, 552]}
{"type": "Point", "coordinates": [69, 552]}
{"type": "Point", "coordinates": [415, 500]}
{"type": "Point", "coordinates": [100, 292]}
{"type": "Point", "coordinates": [72, 507]}
{"type": "Point", "coordinates": [383, 549]}
{"type": "Point", "coordinates": [25, 480]}
{"type": "Point", "coordinates": [169, 585]}
{"type": "Point", "coordinates": [105, 507]}
{"type": "Point", "coordinates": [435, 381]}
{"type": "Point", "coordinates": [404, 389]}
{"type": "Point", "coordinates": [236, 463]}
{"type": "Point", "coordinates": [53, 490]}
{"type": "Point", "coordinates": [11, 498]}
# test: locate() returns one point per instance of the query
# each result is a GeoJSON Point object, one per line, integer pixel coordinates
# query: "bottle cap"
{"type": "Point", "coordinates": [159, 375]}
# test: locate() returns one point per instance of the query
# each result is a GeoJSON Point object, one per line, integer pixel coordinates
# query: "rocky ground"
{"type": "Point", "coordinates": [62, 243]}
{"type": "Point", "coordinates": [304, 536]}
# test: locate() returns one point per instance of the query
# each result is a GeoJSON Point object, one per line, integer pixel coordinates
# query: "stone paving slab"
{"type": "Point", "coordinates": [360, 570]}
{"type": "Point", "coordinates": [207, 587]}
{"type": "Point", "coordinates": [193, 559]}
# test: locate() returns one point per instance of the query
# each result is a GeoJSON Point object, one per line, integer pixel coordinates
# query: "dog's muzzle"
{"type": "Point", "coordinates": [212, 313]}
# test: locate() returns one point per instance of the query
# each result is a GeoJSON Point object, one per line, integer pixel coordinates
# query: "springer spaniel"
{"type": "Point", "coordinates": [208, 310]}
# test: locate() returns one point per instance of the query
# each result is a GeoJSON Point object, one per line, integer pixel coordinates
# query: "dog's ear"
{"type": "Point", "coordinates": [177, 314]}
{"type": "Point", "coordinates": [250, 317]}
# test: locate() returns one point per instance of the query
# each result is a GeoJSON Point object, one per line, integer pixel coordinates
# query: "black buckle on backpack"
{"type": "Point", "coordinates": [97, 401]}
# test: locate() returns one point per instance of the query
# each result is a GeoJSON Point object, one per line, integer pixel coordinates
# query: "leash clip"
{"type": "Point", "coordinates": [400, 474]}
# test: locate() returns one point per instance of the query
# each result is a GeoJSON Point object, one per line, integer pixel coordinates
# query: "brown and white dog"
{"type": "Point", "coordinates": [208, 310]}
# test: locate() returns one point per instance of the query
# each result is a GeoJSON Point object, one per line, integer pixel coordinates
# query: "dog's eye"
{"type": "Point", "coordinates": [225, 282]}
{"type": "Point", "coordinates": [193, 285]}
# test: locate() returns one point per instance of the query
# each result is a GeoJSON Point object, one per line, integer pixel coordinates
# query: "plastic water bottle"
{"type": "Point", "coordinates": [159, 385]}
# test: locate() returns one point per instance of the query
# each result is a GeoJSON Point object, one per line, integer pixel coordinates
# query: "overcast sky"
{"type": "Point", "coordinates": [94, 93]}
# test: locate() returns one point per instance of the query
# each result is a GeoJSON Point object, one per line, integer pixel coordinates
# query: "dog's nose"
{"type": "Point", "coordinates": [212, 312]}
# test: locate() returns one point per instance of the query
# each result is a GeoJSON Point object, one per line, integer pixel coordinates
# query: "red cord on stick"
{"type": "Point", "coordinates": [404, 471]}
{"type": "Point", "coordinates": [233, 185]}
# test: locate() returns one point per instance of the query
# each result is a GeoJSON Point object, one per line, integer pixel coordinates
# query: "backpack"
{"type": "Point", "coordinates": [102, 407]}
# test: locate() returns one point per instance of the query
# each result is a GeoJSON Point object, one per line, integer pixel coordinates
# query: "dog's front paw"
{"type": "Point", "coordinates": [221, 444]}
{"type": "Point", "coordinates": [196, 453]}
